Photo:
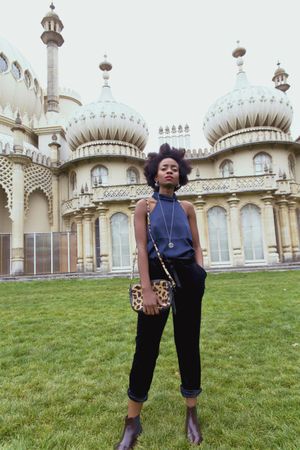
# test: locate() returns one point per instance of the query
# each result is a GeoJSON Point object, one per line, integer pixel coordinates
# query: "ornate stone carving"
{"type": "Point", "coordinates": [38, 177]}
{"type": "Point", "coordinates": [6, 168]}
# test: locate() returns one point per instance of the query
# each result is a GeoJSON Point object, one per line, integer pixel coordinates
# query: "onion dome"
{"type": "Point", "coordinates": [247, 106]}
{"type": "Point", "coordinates": [19, 87]}
{"type": "Point", "coordinates": [107, 120]}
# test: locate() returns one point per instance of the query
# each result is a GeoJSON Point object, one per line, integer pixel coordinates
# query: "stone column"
{"type": "Point", "coordinates": [202, 227]}
{"type": "Point", "coordinates": [103, 227]}
{"type": "Point", "coordinates": [292, 205]}
{"type": "Point", "coordinates": [132, 234]}
{"type": "Point", "coordinates": [17, 213]}
{"type": "Point", "coordinates": [88, 241]}
{"type": "Point", "coordinates": [284, 225]}
{"type": "Point", "coordinates": [235, 231]}
{"type": "Point", "coordinates": [269, 229]}
{"type": "Point", "coordinates": [79, 226]}
{"type": "Point", "coordinates": [54, 149]}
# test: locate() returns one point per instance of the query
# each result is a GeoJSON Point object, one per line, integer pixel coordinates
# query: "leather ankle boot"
{"type": "Point", "coordinates": [132, 430]}
{"type": "Point", "coordinates": [192, 426]}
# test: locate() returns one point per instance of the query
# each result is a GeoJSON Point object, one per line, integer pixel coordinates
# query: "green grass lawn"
{"type": "Point", "coordinates": [66, 348]}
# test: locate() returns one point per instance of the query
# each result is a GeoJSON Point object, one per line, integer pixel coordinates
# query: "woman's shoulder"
{"type": "Point", "coordinates": [141, 204]}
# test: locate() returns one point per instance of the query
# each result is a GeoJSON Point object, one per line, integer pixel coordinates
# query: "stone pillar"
{"type": "Point", "coordinates": [292, 205]}
{"type": "Point", "coordinates": [202, 227]}
{"type": "Point", "coordinates": [284, 226]}
{"type": "Point", "coordinates": [17, 216]}
{"type": "Point", "coordinates": [79, 226]}
{"type": "Point", "coordinates": [132, 234]}
{"type": "Point", "coordinates": [88, 241]}
{"type": "Point", "coordinates": [54, 148]}
{"type": "Point", "coordinates": [235, 231]}
{"type": "Point", "coordinates": [17, 213]}
{"type": "Point", "coordinates": [103, 227]}
{"type": "Point", "coordinates": [269, 229]}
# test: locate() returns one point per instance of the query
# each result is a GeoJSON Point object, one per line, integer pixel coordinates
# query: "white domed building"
{"type": "Point", "coordinates": [71, 174]}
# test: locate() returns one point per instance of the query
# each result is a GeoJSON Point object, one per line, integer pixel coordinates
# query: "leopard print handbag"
{"type": "Point", "coordinates": [163, 288]}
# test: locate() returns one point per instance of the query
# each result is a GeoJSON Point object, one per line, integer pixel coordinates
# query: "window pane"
{"type": "Point", "coordinates": [120, 241]}
{"type": "Point", "coordinates": [218, 234]}
{"type": "Point", "coordinates": [252, 233]}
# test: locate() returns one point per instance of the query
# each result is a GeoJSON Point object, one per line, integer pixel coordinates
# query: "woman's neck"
{"type": "Point", "coordinates": [169, 192]}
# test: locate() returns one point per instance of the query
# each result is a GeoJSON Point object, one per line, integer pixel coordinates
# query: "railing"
{"type": "Point", "coordinates": [193, 188]}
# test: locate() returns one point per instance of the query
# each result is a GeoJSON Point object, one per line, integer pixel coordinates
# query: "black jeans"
{"type": "Point", "coordinates": [186, 324]}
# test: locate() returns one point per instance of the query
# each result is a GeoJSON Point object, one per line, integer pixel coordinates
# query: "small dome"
{"type": "Point", "coordinates": [247, 106]}
{"type": "Point", "coordinates": [19, 87]}
{"type": "Point", "coordinates": [107, 120]}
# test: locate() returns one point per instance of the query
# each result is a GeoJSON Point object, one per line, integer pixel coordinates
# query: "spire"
{"type": "Point", "coordinates": [280, 79]}
{"type": "Point", "coordinates": [241, 79]}
{"type": "Point", "coordinates": [106, 95]}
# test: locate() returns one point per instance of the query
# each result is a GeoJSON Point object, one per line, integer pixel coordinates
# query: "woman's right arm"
{"type": "Point", "coordinates": [140, 227]}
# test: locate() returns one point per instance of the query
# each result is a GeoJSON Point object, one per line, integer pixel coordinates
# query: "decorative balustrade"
{"type": "Point", "coordinates": [250, 136]}
{"type": "Point", "coordinates": [194, 188]}
{"type": "Point", "coordinates": [107, 148]}
{"type": "Point", "coordinates": [7, 148]}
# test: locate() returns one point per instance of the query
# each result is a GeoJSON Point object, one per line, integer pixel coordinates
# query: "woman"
{"type": "Point", "coordinates": [174, 229]}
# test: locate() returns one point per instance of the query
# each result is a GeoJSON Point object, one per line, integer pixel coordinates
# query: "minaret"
{"type": "Point", "coordinates": [53, 39]}
{"type": "Point", "coordinates": [280, 79]}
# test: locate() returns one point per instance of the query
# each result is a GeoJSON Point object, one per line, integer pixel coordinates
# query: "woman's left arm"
{"type": "Point", "coordinates": [190, 210]}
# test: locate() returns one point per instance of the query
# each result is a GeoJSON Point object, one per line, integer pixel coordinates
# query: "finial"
{"type": "Point", "coordinates": [278, 64]}
{"type": "Point", "coordinates": [106, 67]}
{"type": "Point", "coordinates": [52, 6]}
{"type": "Point", "coordinates": [237, 53]}
{"type": "Point", "coordinates": [18, 120]}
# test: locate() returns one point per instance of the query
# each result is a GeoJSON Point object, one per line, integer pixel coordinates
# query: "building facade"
{"type": "Point", "coordinates": [71, 174]}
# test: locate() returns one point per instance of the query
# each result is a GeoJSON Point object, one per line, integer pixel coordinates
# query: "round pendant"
{"type": "Point", "coordinates": [170, 245]}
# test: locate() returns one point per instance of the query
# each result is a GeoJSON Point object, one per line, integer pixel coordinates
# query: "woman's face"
{"type": "Point", "coordinates": [168, 173]}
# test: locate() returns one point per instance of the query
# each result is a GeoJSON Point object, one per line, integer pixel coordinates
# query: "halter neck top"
{"type": "Point", "coordinates": [181, 233]}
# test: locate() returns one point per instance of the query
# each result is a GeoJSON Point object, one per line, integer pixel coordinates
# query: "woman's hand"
{"type": "Point", "coordinates": [150, 302]}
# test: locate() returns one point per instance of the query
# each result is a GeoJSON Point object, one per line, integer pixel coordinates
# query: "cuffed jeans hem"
{"type": "Point", "coordinates": [135, 398]}
{"type": "Point", "coordinates": [190, 393]}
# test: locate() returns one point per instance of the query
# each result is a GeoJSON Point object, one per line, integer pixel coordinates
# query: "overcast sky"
{"type": "Point", "coordinates": [171, 59]}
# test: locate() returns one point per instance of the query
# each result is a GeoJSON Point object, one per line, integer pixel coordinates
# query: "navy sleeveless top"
{"type": "Point", "coordinates": [181, 233]}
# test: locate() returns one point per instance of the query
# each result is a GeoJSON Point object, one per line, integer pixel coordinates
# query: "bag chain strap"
{"type": "Point", "coordinates": [156, 249]}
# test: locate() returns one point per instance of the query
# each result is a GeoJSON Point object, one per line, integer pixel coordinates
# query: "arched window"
{"type": "Point", "coordinates": [73, 182]}
{"type": "Point", "coordinates": [292, 167]}
{"type": "Point", "coordinates": [3, 63]}
{"type": "Point", "coordinates": [132, 176]}
{"type": "Point", "coordinates": [99, 176]}
{"type": "Point", "coordinates": [252, 233]}
{"type": "Point", "coordinates": [27, 78]}
{"type": "Point", "coordinates": [16, 70]}
{"type": "Point", "coordinates": [226, 168]}
{"type": "Point", "coordinates": [218, 235]}
{"type": "Point", "coordinates": [120, 241]}
{"type": "Point", "coordinates": [262, 163]}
